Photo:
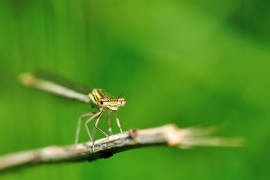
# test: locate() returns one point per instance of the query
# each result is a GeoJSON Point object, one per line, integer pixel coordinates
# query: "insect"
{"type": "Point", "coordinates": [95, 97]}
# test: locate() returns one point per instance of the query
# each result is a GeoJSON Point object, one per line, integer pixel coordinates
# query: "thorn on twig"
{"type": "Point", "coordinates": [133, 133]}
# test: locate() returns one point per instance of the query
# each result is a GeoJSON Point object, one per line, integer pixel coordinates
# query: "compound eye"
{"type": "Point", "coordinates": [101, 103]}
{"type": "Point", "coordinates": [123, 102]}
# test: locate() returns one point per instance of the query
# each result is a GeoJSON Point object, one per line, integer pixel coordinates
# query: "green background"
{"type": "Point", "coordinates": [191, 63]}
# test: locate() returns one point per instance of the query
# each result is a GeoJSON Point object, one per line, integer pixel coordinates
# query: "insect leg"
{"type": "Point", "coordinates": [118, 122]}
{"type": "Point", "coordinates": [109, 124]}
{"type": "Point", "coordinates": [79, 126]}
{"type": "Point", "coordinates": [95, 125]}
{"type": "Point", "coordinates": [88, 120]}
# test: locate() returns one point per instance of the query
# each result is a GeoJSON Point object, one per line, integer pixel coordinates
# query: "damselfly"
{"type": "Point", "coordinates": [95, 97]}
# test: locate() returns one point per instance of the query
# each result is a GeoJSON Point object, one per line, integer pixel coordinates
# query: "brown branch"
{"type": "Point", "coordinates": [169, 135]}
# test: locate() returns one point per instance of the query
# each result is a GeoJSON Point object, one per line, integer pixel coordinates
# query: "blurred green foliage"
{"type": "Point", "coordinates": [190, 63]}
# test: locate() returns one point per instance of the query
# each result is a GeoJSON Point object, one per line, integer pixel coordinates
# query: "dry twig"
{"type": "Point", "coordinates": [169, 135]}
